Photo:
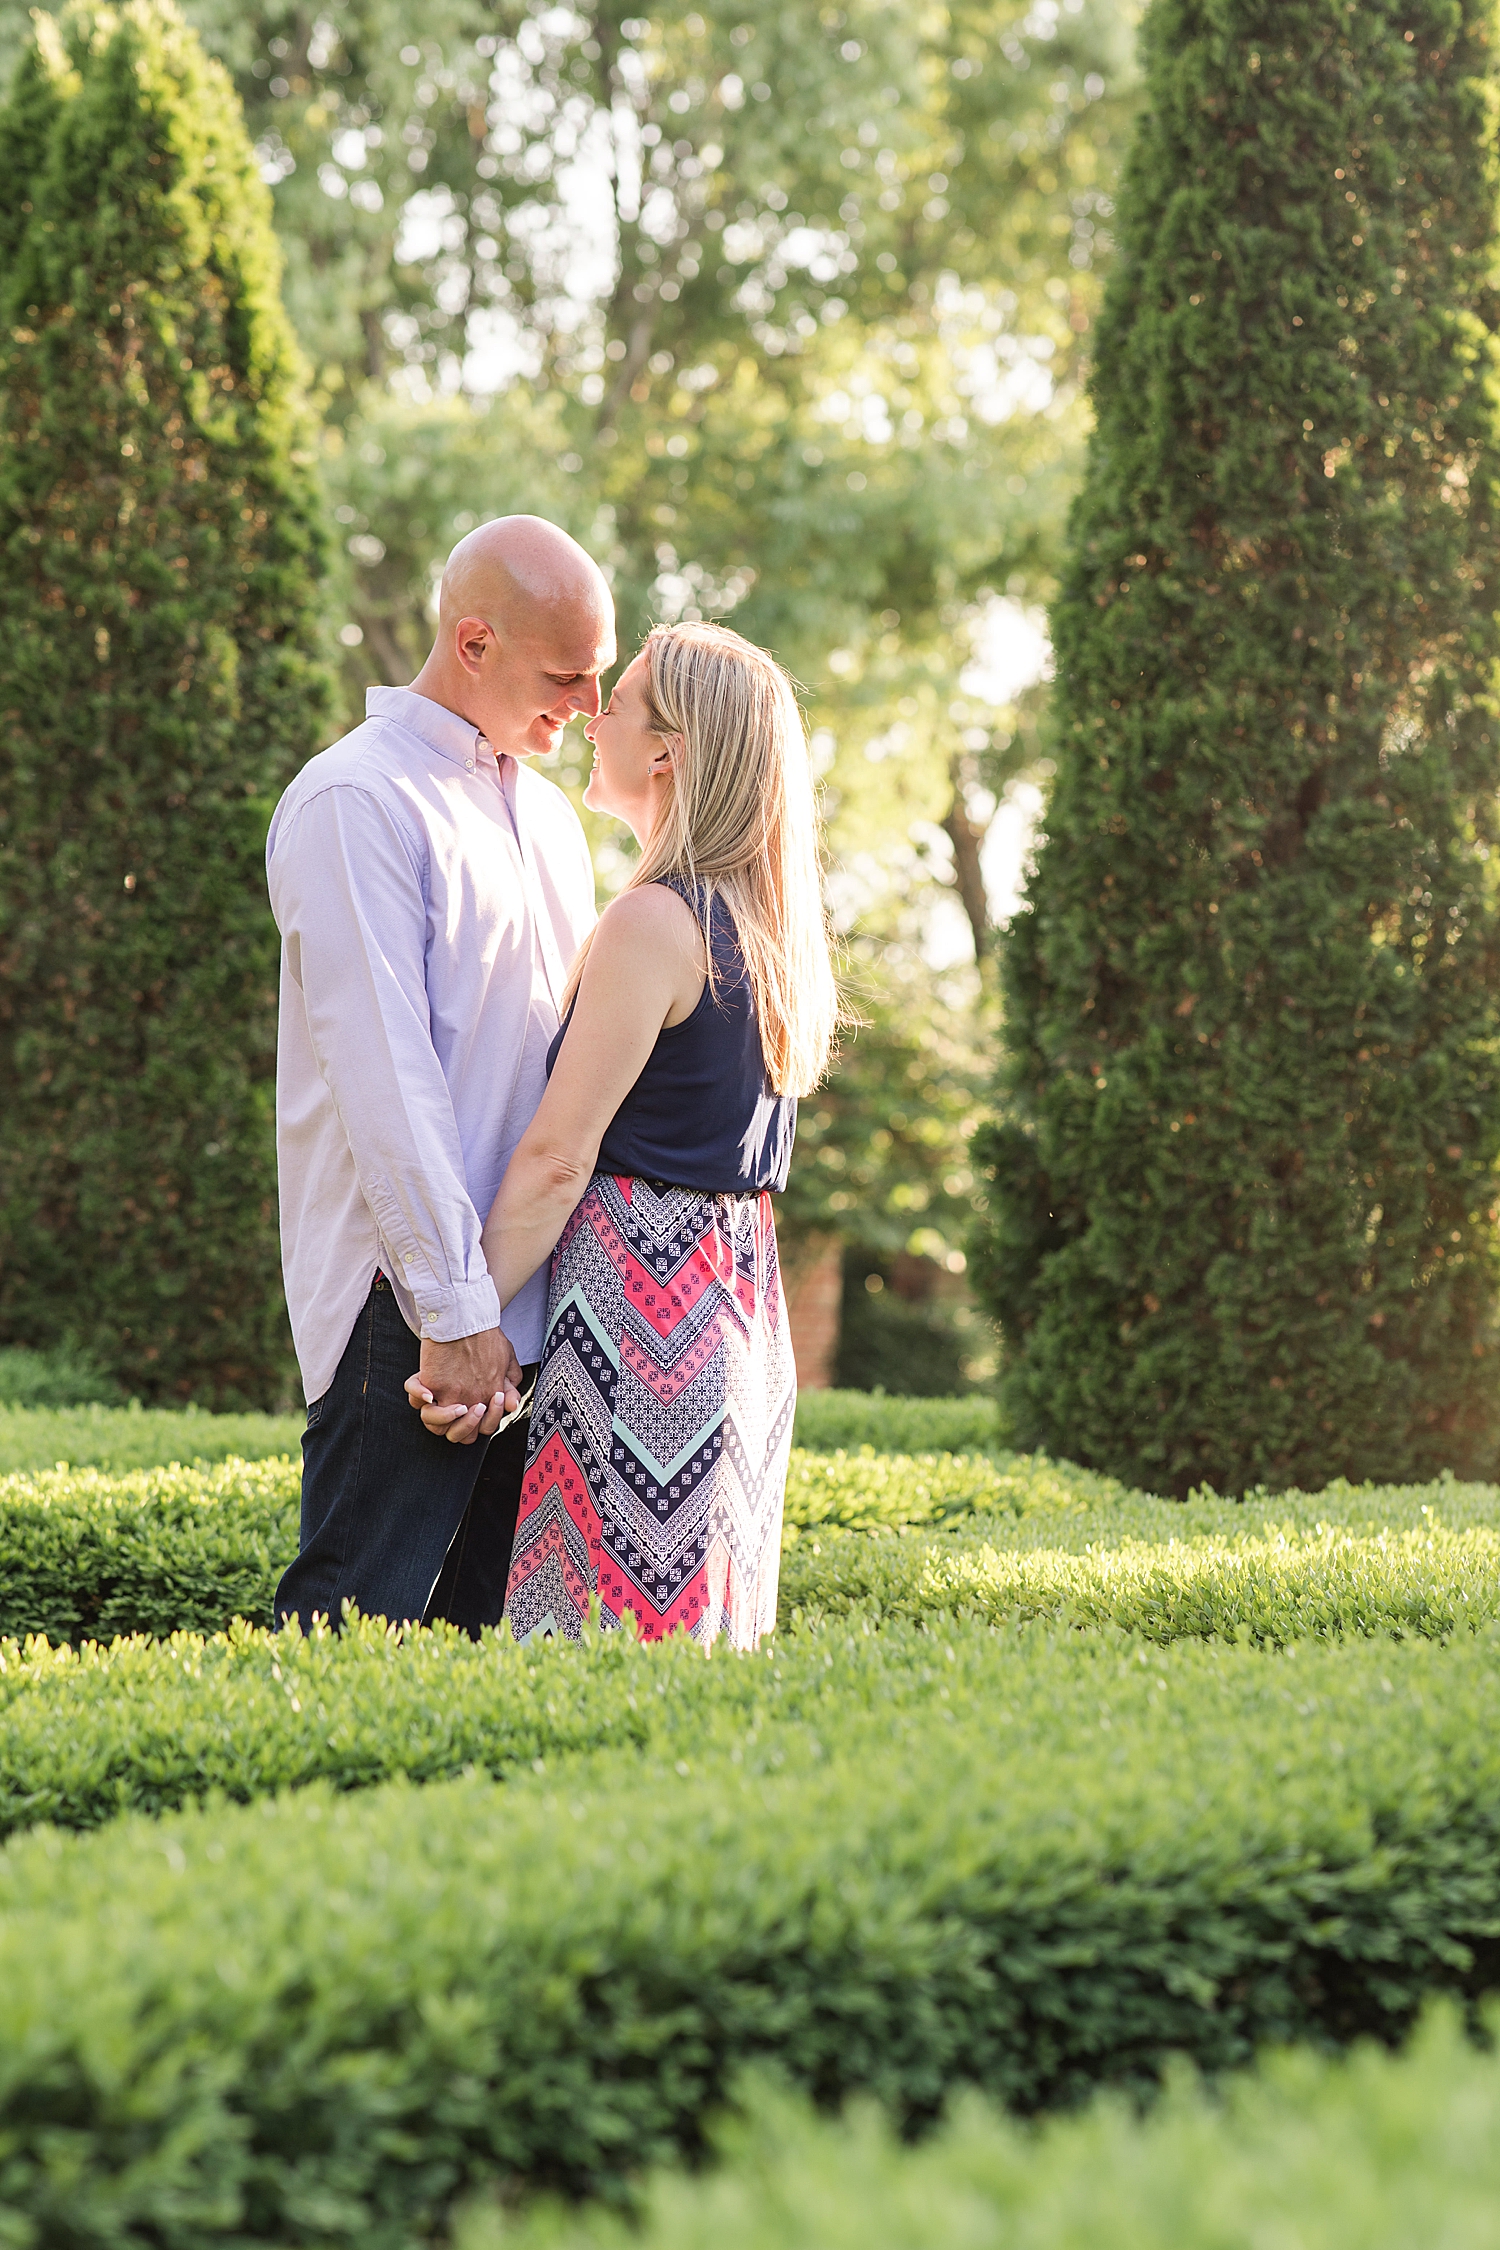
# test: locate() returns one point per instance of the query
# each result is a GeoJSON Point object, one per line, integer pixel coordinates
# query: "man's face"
{"type": "Point", "coordinates": [532, 682]}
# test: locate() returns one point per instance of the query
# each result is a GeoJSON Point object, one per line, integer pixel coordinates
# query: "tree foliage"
{"type": "Point", "coordinates": [1244, 1221]}
{"type": "Point", "coordinates": [159, 567]}
{"type": "Point", "coordinates": [780, 309]}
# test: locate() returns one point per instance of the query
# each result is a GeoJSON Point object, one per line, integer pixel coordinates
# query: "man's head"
{"type": "Point", "coordinates": [525, 627]}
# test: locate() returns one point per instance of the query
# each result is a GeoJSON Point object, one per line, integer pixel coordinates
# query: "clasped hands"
{"type": "Point", "coordinates": [451, 1378]}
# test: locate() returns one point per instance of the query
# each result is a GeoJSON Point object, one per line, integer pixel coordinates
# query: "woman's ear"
{"type": "Point", "coordinates": [665, 760]}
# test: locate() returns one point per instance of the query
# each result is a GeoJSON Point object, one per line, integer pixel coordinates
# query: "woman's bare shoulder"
{"type": "Point", "coordinates": [648, 916]}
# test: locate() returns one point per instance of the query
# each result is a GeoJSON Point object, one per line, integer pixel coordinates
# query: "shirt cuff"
{"type": "Point", "coordinates": [444, 1315]}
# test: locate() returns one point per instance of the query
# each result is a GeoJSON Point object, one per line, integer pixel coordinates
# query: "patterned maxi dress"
{"type": "Point", "coordinates": [662, 1420]}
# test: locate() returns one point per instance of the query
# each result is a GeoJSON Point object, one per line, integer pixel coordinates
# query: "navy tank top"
{"type": "Point", "coordinates": [702, 1113]}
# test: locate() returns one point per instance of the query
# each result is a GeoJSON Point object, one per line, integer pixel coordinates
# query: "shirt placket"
{"type": "Point", "coordinates": [541, 922]}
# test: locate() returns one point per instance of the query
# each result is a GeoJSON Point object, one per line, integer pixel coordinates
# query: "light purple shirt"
{"type": "Point", "coordinates": [430, 899]}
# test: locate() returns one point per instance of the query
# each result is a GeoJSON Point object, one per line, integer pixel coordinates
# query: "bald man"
{"type": "Point", "coordinates": [431, 892]}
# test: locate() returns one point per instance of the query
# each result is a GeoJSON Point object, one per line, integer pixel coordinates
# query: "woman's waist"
{"type": "Point", "coordinates": [688, 1190]}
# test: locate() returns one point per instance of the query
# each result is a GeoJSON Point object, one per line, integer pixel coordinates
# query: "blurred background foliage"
{"type": "Point", "coordinates": [783, 310]}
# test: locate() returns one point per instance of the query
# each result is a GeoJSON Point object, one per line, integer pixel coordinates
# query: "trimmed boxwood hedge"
{"type": "Point", "coordinates": [320, 2019]}
{"type": "Point", "coordinates": [83, 1553]}
{"type": "Point", "coordinates": [1376, 2152]}
{"type": "Point", "coordinates": [87, 1556]}
{"type": "Point", "coordinates": [121, 1438]}
{"type": "Point", "coordinates": [34, 1437]}
{"type": "Point", "coordinates": [1268, 1584]}
{"type": "Point", "coordinates": [151, 1725]}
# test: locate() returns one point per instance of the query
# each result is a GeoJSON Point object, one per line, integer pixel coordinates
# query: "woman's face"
{"type": "Point", "coordinates": [632, 766]}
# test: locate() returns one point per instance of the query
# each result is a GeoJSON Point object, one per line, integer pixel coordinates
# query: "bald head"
{"type": "Point", "coordinates": [510, 569]}
{"type": "Point", "coordinates": [526, 626]}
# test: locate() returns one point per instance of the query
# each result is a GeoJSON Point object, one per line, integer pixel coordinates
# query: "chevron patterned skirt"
{"type": "Point", "coordinates": [662, 1421]}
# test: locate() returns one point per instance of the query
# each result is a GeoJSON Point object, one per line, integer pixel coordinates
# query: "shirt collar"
{"type": "Point", "coordinates": [434, 724]}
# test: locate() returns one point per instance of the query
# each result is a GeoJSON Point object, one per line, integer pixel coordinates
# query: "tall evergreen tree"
{"type": "Point", "coordinates": [160, 679]}
{"type": "Point", "coordinates": [1244, 1191]}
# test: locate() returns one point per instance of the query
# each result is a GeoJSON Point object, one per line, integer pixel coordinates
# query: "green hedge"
{"type": "Point", "coordinates": [88, 1555]}
{"type": "Point", "coordinates": [163, 635]}
{"type": "Point", "coordinates": [1271, 1586]}
{"type": "Point", "coordinates": [1376, 2152]}
{"type": "Point", "coordinates": [149, 1725]}
{"type": "Point", "coordinates": [319, 2019]}
{"type": "Point", "coordinates": [162, 1550]}
{"type": "Point", "coordinates": [123, 1438]}
{"type": "Point", "coordinates": [830, 1420]}
{"type": "Point", "coordinates": [34, 1436]}
{"type": "Point", "coordinates": [83, 1553]}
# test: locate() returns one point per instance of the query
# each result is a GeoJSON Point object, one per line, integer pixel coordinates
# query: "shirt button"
{"type": "Point", "coordinates": [468, 765]}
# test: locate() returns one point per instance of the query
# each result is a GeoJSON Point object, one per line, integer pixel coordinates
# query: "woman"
{"type": "Point", "coordinates": [700, 1008]}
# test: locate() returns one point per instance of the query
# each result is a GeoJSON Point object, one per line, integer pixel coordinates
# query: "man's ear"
{"type": "Point", "coordinates": [471, 636]}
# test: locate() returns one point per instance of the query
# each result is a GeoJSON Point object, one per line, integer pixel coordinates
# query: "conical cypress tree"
{"type": "Point", "coordinates": [1244, 1201]}
{"type": "Point", "coordinates": [160, 678]}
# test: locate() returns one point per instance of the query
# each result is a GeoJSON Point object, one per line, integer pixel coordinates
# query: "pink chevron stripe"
{"type": "Point", "coordinates": [555, 1470]}
{"type": "Point", "coordinates": [669, 1383]}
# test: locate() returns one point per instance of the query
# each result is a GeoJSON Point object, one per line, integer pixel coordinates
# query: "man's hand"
{"type": "Point", "coordinates": [465, 1388]}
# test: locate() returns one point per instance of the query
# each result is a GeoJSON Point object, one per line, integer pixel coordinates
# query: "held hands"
{"type": "Point", "coordinates": [452, 1376]}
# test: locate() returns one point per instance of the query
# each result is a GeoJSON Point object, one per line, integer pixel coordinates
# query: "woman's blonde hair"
{"type": "Point", "coordinates": [740, 822]}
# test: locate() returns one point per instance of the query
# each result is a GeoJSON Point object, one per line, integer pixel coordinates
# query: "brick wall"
{"type": "Point", "coordinates": [814, 1284]}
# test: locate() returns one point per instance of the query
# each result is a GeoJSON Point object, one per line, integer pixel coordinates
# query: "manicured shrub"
{"type": "Point", "coordinates": [48, 1431]}
{"type": "Point", "coordinates": [84, 1553]}
{"type": "Point", "coordinates": [152, 1725]}
{"type": "Point", "coordinates": [1243, 1220]}
{"type": "Point", "coordinates": [1272, 1586]}
{"type": "Point", "coordinates": [317, 2019]}
{"type": "Point", "coordinates": [828, 1421]}
{"type": "Point", "coordinates": [159, 648]}
{"type": "Point", "coordinates": [866, 1488]}
{"type": "Point", "coordinates": [116, 1439]}
{"type": "Point", "coordinates": [1375, 2152]}
{"type": "Point", "coordinates": [148, 1725]}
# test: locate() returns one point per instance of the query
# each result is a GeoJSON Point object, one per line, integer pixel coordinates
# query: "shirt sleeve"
{"type": "Point", "coordinates": [348, 896]}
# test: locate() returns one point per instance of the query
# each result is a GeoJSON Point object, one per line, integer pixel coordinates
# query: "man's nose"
{"type": "Point", "coordinates": [586, 699]}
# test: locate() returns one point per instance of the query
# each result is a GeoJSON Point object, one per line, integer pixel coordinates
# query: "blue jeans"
{"type": "Point", "coordinates": [395, 1520]}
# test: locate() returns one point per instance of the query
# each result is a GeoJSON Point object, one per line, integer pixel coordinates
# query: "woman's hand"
{"type": "Point", "coordinates": [461, 1425]}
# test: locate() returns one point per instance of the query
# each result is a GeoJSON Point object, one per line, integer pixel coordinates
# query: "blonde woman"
{"type": "Point", "coordinates": [700, 1008]}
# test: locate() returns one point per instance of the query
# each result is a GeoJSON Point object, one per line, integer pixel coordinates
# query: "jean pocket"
{"type": "Point", "coordinates": [315, 1411]}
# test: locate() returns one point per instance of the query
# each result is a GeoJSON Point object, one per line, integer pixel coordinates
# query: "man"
{"type": "Point", "coordinates": [430, 894]}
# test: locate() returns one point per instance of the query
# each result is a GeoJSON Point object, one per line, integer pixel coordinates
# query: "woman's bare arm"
{"type": "Point", "coordinates": [645, 969]}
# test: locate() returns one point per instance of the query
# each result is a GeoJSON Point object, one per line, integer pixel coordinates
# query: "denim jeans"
{"type": "Point", "coordinates": [395, 1520]}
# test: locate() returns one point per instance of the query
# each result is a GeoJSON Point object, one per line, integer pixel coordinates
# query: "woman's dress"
{"type": "Point", "coordinates": [662, 1419]}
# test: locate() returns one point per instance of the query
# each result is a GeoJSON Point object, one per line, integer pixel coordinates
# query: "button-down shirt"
{"type": "Point", "coordinates": [430, 898]}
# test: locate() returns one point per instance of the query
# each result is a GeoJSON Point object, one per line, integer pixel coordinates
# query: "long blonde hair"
{"type": "Point", "coordinates": [740, 823]}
